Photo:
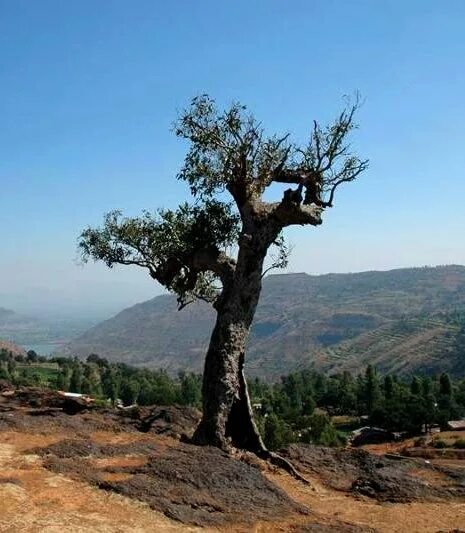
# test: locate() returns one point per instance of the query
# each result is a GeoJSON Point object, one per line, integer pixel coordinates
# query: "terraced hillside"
{"type": "Point", "coordinates": [404, 320]}
{"type": "Point", "coordinates": [402, 347]}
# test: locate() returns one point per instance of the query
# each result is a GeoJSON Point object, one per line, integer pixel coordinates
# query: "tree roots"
{"type": "Point", "coordinates": [279, 461]}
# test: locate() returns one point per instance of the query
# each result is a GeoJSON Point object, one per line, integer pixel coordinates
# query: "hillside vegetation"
{"type": "Point", "coordinates": [405, 321]}
{"type": "Point", "coordinates": [297, 408]}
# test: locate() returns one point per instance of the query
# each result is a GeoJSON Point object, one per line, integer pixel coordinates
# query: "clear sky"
{"type": "Point", "coordinates": [89, 91]}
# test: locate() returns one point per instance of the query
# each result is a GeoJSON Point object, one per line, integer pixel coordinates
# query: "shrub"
{"type": "Point", "coordinates": [459, 444]}
{"type": "Point", "coordinates": [439, 443]}
{"type": "Point", "coordinates": [277, 434]}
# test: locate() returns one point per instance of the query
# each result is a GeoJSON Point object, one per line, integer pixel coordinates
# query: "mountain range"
{"type": "Point", "coordinates": [403, 321]}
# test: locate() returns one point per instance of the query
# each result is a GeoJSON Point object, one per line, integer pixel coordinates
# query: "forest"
{"type": "Point", "coordinates": [303, 406]}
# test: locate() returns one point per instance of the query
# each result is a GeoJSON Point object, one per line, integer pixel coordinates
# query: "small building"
{"type": "Point", "coordinates": [456, 425]}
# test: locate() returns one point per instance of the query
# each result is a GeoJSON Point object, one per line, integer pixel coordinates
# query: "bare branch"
{"type": "Point", "coordinates": [281, 259]}
{"type": "Point", "coordinates": [324, 164]}
{"type": "Point", "coordinates": [361, 166]}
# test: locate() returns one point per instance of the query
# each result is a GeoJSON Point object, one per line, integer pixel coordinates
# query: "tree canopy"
{"type": "Point", "coordinates": [229, 164]}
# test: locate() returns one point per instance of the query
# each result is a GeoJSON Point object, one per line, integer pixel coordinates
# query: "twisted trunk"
{"type": "Point", "coordinates": [227, 412]}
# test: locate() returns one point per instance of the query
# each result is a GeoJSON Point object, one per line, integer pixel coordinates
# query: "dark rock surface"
{"type": "Point", "coordinates": [359, 472]}
{"type": "Point", "coordinates": [195, 485]}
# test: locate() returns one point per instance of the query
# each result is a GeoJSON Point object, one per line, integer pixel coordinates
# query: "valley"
{"type": "Point", "coordinates": [404, 321]}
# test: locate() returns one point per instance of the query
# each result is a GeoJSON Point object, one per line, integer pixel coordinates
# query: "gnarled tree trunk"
{"type": "Point", "coordinates": [227, 412]}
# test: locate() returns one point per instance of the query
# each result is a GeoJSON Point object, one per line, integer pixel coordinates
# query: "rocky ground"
{"type": "Point", "coordinates": [66, 467]}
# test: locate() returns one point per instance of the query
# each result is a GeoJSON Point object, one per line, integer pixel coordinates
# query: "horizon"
{"type": "Point", "coordinates": [89, 94]}
{"type": "Point", "coordinates": [83, 315]}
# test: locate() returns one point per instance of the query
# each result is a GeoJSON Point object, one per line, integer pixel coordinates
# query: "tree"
{"type": "Point", "coordinates": [189, 250]}
{"type": "Point", "coordinates": [416, 386]}
{"type": "Point", "coordinates": [4, 374]}
{"type": "Point", "coordinates": [372, 390]}
{"type": "Point", "coordinates": [190, 393]}
{"type": "Point", "coordinates": [130, 390]}
{"type": "Point", "coordinates": [277, 433]}
{"type": "Point", "coordinates": [388, 387]}
{"type": "Point", "coordinates": [32, 356]}
{"type": "Point", "coordinates": [110, 384]}
{"type": "Point", "coordinates": [75, 384]}
{"type": "Point", "coordinates": [447, 410]}
{"type": "Point", "coordinates": [445, 385]}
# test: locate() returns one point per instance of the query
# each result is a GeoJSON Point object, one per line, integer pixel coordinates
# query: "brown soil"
{"type": "Point", "coordinates": [35, 500]}
{"type": "Point", "coordinates": [194, 485]}
{"type": "Point", "coordinates": [414, 517]}
{"type": "Point", "coordinates": [98, 471]}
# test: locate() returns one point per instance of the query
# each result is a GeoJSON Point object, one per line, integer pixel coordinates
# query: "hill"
{"type": "Point", "coordinates": [11, 347]}
{"type": "Point", "coordinates": [405, 320]}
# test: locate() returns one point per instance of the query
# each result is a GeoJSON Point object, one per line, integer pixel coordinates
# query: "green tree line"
{"type": "Point", "coordinates": [299, 407]}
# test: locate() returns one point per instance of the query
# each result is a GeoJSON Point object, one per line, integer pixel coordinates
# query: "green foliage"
{"type": "Point", "coordinates": [300, 407]}
{"type": "Point", "coordinates": [445, 385]}
{"type": "Point", "coordinates": [318, 429]}
{"type": "Point", "coordinates": [416, 386]}
{"type": "Point", "coordinates": [277, 433]}
{"type": "Point", "coordinates": [408, 406]}
{"type": "Point", "coordinates": [184, 249]}
{"type": "Point", "coordinates": [76, 379]}
{"type": "Point", "coordinates": [4, 374]}
{"type": "Point", "coordinates": [372, 389]}
{"type": "Point", "coordinates": [459, 444]}
{"type": "Point", "coordinates": [221, 144]}
{"type": "Point", "coordinates": [190, 389]}
{"type": "Point", "coordinates": [167, 244]}
{"type": "Point", "coordinates": [331, 437]}
{"type": "Point", "coordinates": [388, 387]}
{"type": "Point", "coordinates": [32, 356]}
{"type": "Point", "coordinates": [226, 145]}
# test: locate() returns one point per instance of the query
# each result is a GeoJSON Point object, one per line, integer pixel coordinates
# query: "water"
{"type": "Point", "coordinates": [45, 349]}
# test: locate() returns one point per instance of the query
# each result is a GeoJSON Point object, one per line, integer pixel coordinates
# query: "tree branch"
{"type": "Point", "coordinates": [288, 213]}
{"type": "Point", "coordinates": [211, 259]}
{"type": "Point", "coordinates": [362, 165]}
{"type": "Point", "coordinates": [324, 164]}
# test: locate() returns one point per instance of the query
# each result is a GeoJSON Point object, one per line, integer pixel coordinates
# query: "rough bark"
{"type": "Point", "coordinates": [227, 413]}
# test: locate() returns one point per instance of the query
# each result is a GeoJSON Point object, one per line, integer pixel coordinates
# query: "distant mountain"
{"type": "Point", "coordinates": [406, 320]}
{"type": "Point", "coordinates": [6, 315]}
{"type": "Point", "coordinates": [10, 321]}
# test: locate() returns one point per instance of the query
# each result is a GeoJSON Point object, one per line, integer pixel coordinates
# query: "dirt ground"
{"type": "Point", "coordinates": [35, 500]}
{"type": "Point", "coordinates": [91, 472]}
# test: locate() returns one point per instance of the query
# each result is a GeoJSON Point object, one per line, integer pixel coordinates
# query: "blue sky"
{"type": "Point", "coordinates": [89, 91]}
